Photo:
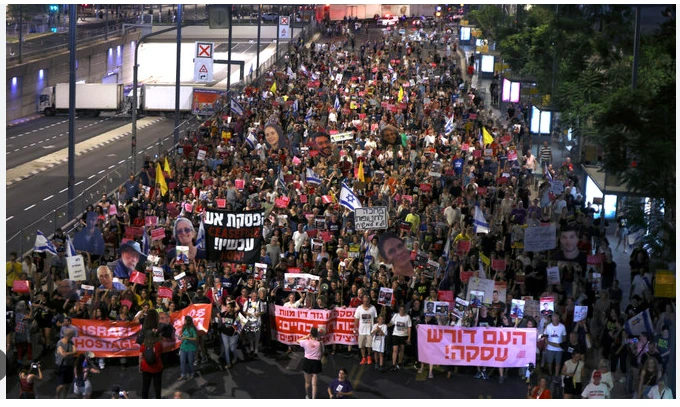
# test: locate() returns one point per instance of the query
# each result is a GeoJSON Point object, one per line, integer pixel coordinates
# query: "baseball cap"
{"type": "Point", "coordinates": [597, 374]}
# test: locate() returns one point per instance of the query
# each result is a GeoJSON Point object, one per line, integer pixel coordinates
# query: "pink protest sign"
{"type": "Point", "coordinates": [239, 184]}
{"type": "Point", "coordinates": [157, 234]}
{"type": "Point", "coordinates": [137, 277]}
{"type": "Point", "coordinates": [463, 246]}
{"type": "Point", "coordinates": [483, 346]}
{"type": "Point", "coordinates": [221, 203]}
{"type": "Point", "coordinates": [498, 264]}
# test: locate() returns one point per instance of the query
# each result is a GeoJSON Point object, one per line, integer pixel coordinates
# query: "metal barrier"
{"type": "Point", "coordinates": [22, 241]}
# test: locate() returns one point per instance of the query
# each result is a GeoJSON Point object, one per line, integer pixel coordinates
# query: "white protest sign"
{"type": "Point", "coordinates": [580, 312]}
{"type": "Point", "coordinates": [370, 218]}
{"type": "Point", "coordinates": [553, 275]}
{"type": "Point", "coordinates": [158, 275]}
{"type": "Point", "coordinates": [481, 284]}
{"type": "Point", "coordinates": [557, 187]}
{"type": "Point", "coordinates": [540, 238]}
{"type": "Point", "coordinates": [342, 137]}
{"type": "Point", "coordinates": [338, 78]}
{"type": "Point", "coordinates": [201, 155]}
{"type": "Point", "coordinates": [76, 268]}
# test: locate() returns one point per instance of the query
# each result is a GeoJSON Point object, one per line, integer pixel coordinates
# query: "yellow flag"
{"type": "Point", "coordinates": [401, 94]}
{"type": "Point", "coordinates": [160, 180]}
{"type": "Point", "coordinates": [273, 88]}
{"type": "Point", "coordinates": [487, 138]}
{"type": "Point", "coordinates": [166, 167]}
{"type": "Point", "coordinates": [360, 172]}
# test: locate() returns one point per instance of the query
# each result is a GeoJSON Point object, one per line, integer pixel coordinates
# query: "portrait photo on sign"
{"type": "Point", "coordinates": [517, 309]}
{"type": "Point", "coordinates": [184, 232]}
{"type": "Point", "coordinates": [90, 239]}
{"type": "Point", "coordinates": [389, 135]}
{"type": "Point", "coordinates": [476, 298]}
{"type": "Point", "coordinates": [260, 271]}
{"type": "Point", "coordinates": [393, 251]}
{"type": "Point", "coordinates": [275, 139]}
{"type": "Point", "coordinates": [385, 296]}
{"type": "Point", "coordinates": [547, 305]}
{"type": "Point", "coordinates": [321, 144]}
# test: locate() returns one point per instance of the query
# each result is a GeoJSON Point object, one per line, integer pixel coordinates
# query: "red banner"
{"type": "Point", "coordinates": [498, 264]}
{"type": "Point", "coordinates": [335, 326]}
{"type": "Point", "coordinates": [117, 339]}
{"type": "Point", "coordinates": [221, 203]}
{"type": "Point", "coordinates": [134, 231]}
{"type": "Point", "coordinates": [21, 286]}
{"type": "Point", "coordinates": [164, 292]}
{"type": "Point", "coordinates": [137, 277]}
{"type": "Point", "coordinates": [157, 234]}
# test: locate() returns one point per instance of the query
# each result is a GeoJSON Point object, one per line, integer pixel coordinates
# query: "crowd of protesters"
{"type": "Point", "coordinates": [417, 147]}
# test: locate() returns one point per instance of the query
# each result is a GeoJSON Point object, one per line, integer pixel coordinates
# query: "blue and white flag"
{"type": "Point", "coordinates": [336, 105]}
{"type": "Point", "coordinates": [296, 107]}
{"type": "Point", "coordinates": [282, 183]}
{"type": "Point", "coordinates": [348, 199]}
{"type": "Point", "coordinates": [547, 172]}
{"type": "Point", "coordinates": [146, 245]}
{"type": "Point", "coordinates": [304, 70]}
{"type": "Point", "coordinates": [251, 140]}
{"type": "Point", "coordinates": [43, 244]}
{"type": "Point", "coordinates": [311, 177]}
{"type": "Point", "coordinates": [448, 128]}
{"type": "Point", "coordinates": [251, 69]}
{"type": "Point", "coordinates": [640, 323]}
{"type": "Point", "coordinates": [236, 107]}
{"type": "Point", "coordinates": [200, 237]}
{"type": "Point", "coordinates": [481, 225]}
{"type": "Point", "coordinates": [70, 250]}
{"type": "Point", "coordinates": [309, 114]}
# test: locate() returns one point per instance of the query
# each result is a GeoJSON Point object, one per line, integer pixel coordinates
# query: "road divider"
{"type": "Point", "coordinates": [48, 161]}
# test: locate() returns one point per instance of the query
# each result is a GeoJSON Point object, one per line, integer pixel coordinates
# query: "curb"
{"type": "Point", "coordinates": [23, 120]}
{"type": "Point", "coordinates": [79, 153]}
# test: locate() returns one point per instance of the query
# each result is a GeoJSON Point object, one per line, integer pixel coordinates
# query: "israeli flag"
{"type": "Point", "coordinates": [282, 183]}
{"type": "Point", "coordinates": [43, 244]}
{"type": "Point", "coordinates": [449, 125]}
{"type": "Point", "coordinates": [336, 105]}
{"type": "Point", "coordinates": [251, 140]}
{"type": "Point", "coordinates": [547, 172]}
{"type": "Point", "coordinates": [312, 178]}
{"type": "Point", "coordinates": [146, 245]}
{"type": "Point", "coordinates": [251, 69]}
{"type": "Point", "coordinates": [295, 106]}
{"type": "Point", "coordinates": [481, 225]}
{"type": "Point", "coordinates": [236, 107]}
{"type": "Point", "coordinates": [640, 323]}
{"type": "Point", "coordinates": [70, 250]}
{"type": "Point", "coordinates": [348, 199]}
{"type": "Point", "coordinates": [309, 114]}
{"type": "Point", "coordinates": [200, 238]}
{"type": "Point", "coordinates": [304, 70]}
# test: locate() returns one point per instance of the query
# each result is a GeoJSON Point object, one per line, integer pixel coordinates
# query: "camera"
{"type": "Point", "coordinates": [121, 393]}
{"type": "Point", "coordinates": [35, 365]}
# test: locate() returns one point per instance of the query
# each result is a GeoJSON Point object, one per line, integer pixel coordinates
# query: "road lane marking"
{"type": "Point", "coordinates": [121, 161]}
{"type": "Point", "coordinates": [92, 176]}
{"type": "Point", "coordinates": [79, 182]}
{"type": "Point", "coordinates": [63, 190]}
{"type": "Point", "coordinates": [32, 145]}
{"type": "Point", "coordinates": [101, 171]}
{"type": "Point", "coordinates": [8, 219]}
{"type": "Point", "coordinates": [48, 197]}
{"type": "Point", "coordinates": [25, 209]}
{"type": "Point", "coordinates": [111, 166]}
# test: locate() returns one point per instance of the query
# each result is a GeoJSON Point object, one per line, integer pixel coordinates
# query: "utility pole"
{"type": "Point", "coordinates": [259, 33]}
{"type": "Point", "coordinates": [636, 49]}
{"type": "Point", "coordinates": [231, 11]}
{"type": "Point", "coordinates": [71, 110]}
{"type": "Point", "coordinates": [177, 69]}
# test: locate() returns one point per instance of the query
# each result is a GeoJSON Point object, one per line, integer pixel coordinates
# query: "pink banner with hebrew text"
{"type": "Point", "coordinates": [494, 347]}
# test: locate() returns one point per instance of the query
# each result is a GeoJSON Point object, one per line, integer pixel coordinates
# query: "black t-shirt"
{"type": "Point", "coordinates": [486, 321]}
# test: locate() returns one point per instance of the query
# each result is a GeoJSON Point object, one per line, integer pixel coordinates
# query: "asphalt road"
{"type": "Point", "coordinates": [32, 140]}
{"type": "Point", "coordinates": [32, 198]}
{"type": "Point", "coordinates": [275, 376]}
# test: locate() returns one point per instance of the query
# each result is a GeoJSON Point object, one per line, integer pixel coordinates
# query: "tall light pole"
{"type": "Point", "coordinates": [177, 71]}
{"type": "Point", "coordinates": [71, 110]}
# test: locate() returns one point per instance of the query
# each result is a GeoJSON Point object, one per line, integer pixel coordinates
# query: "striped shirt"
{"type": "Point", "coordinates": [545, 154]}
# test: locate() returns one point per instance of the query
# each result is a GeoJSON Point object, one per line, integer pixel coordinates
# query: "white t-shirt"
{"type": "Point", "coordinates": [555, 334]}
{"type": "Point", "coordinates": [596, 391]}
{"type": "Point", "coordinates": [366, 318]}
{"type": "Point", "coordinates": [654, 393]}
{"type": "Point", "coordinates": [401, 325]}
{"type": "Point", "coordinates": [378, 344]}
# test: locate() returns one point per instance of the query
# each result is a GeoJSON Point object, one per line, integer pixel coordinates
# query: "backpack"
{"type": "Point", "coordinates": [149, 356]}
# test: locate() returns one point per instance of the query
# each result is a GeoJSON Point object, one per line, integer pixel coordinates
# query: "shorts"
{"type": "Point", "coordinates": [65, 375]}
{"type": "Point", "coordinates": [552, 356]}
{"type": "Point", "coordinates": [398, 340]}
{"type": "Point", "coordinates": [85, 390]}
{"type": "Point", "coordinates": [311, 366]}
{"type": "Point", "coordinates": [569, 387]}
{"type": "Point", "coordinates": [365, 341]}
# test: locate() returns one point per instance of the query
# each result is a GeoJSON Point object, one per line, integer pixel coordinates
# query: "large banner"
{"type": "Point", "coordinates": [335, 326]}
{"type": "Point", "coordinates": [540, 238]}
{"type": "Point", "coordinates": [108, 339]}
{"type": "Point", "coordinates": [493, 347]}
{"type": "Point", "coordinates": [233, 237]}
{"type": "Point", "coordinates": [374, 217]}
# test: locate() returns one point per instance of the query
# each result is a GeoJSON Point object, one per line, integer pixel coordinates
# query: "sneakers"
{"type": "Point", "coordinates": [369, 360]}
{"type": "Point", "coordinates": [363, 361]}
{"type": "Point", "coordinates": [485, 376]}
{"type": "Point", "coordinates": [430, 375]}
{"type": "Point", "coordinates": [394, 368]}
{"type": "Point", "coordinates": [478, 375]}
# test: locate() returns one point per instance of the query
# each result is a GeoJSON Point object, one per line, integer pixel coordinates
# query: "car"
{"type": "Point", "coordinates": [388, 20]}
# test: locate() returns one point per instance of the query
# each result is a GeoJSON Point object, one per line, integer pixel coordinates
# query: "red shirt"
{"type": "Point", "coordinates": [156, 367]}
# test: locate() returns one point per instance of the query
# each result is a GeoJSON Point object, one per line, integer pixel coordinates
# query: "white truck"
{"type": "Point", "coordinates": [158, 98]}
{"type": "Point", "coordinates": [91, 98]}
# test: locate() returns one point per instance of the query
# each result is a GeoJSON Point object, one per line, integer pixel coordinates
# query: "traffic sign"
{"type": "Point", "coordinates": [219, 15]}
{"type": "Point", "coordinates": [204, 50]}
{"type": "Point", "coordinates": [283, 20]}
{"type": "Point", "coordinates": [203, 70]}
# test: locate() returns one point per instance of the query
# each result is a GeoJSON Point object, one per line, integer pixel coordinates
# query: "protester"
{"type": "Point", "coordinates": [27, 381]}
{"type": "Point", "coordinates": [340, 387]}
{"type": "Point", "coordinates": [151, 365]}
{"type": "Point", "coordinates": [311, 365]}
{"type": "Point", "coordinates": [188, 348]}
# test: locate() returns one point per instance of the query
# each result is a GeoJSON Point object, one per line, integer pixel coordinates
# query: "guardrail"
{"type": "Point", "coordinates": [22, 241]}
